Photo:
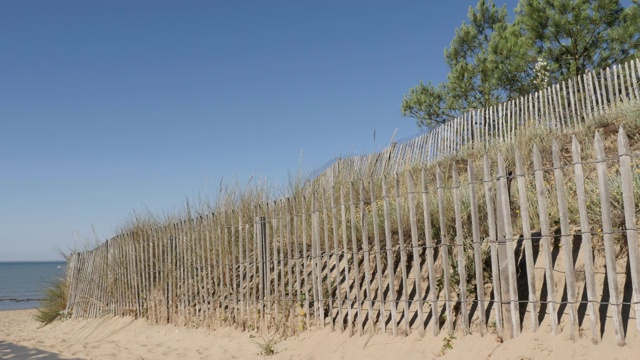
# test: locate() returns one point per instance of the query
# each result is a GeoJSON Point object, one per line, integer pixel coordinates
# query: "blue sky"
{"type": "Point", "coordinates": [107, 107]}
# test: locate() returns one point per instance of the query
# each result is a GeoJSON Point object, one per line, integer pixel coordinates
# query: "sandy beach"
{"type": "Point", "coordinates": [22, 337]}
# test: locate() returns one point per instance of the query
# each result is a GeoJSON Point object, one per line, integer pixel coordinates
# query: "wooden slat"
{"type": "Point", "coordinates": [444, 250]}
{"type": "Point", "coordinates": [403, 257]}
{"type": "Point", "coordinates": [336, 255]}
{"type": "Point", "coordinates": [260, 234]}
{"type": "Point", "coordinates": [616, 87]}
{"type": "Point", "coordinates": [629, 89]}
{"type": "Point", "coordinates": [188, 272]}
{"type": "Point", "coordinates": [200, 256]}
{"type": "Point", "coordinates": [562, 105]}
{"type": "Point", "coordinates": [72, 278]}
{"type": "Point", "coordinates": [92, 284]}
{"type": "Point", "coordinates": [585, 94]}
{"type": "Point", "coordinates": [171, 260]}
{"type": "Point", "coordinates": [629, 202]}
{"type": "Point", "coordinates": [233, 311]}
{"type": "Point", "coordinates": [491, 223]}
{"type": "Point", "coordinates": [509, 238]}
{"type": "Point", "coordinates": [477, 252]}
{"type": "Point", "coordinates": [634, 77]}
{"type": "Point", "coordinates": [206, 265]}
{"type": "Point", "coordinates": [194, 271]}
{"type": "Point", "coordinates": [257, 260]}
{"type": "Point", "coordinates": [592, 85]}
{"type": "Point", "coordinates": [139, 272]}
{"type": "Point", "coordinates": [536, 105]}
{"type": "Point", "coordinates": [345, 259]}
{"type": "Point", "coordinates": [313, 260]}
{"type": "Point", "coordinates": [296, 248]}
{"type": "Point", "coordinates": [623, 93]}
{"type": "Point", "coordinates": [567, 246]}
{"type": "Point", "coordinates": [104, 295]}
{"type": "Point", "coordinates": [543, 216]}
{"type": "Point", "coordinates": [249, 267]}
{"type": "Point", "coordinates": [491, 126]}
{"type": "Point", "coordinates": [282, 257]}
{"type": "Point", "coordinates": [566, 114]}
{"type": "Point", "coordinates": [354, 251]}
{"type": "Point", "coordinates": [99, 282]}
{"type": "Point", "coordinates": [91, 280]}
{"type": "Point", "coordinates": [603, 91]}
{"type": "Point", "coordinates": [84, 283]}
{"type": "Point", "coordinates": [144, 271]}
{"type": "Point", "coordinates": [273, 261]}
{"type": "Point", "coordinates": [517, 113]}
{"type": "Point", "coordinates": [269, 261]}
{"type": "Point", "coordinates": [609, 245]}
{"type": "Point", "coordinates": [553, 102]}
{"type": "Point", "coordinates": [417, 273]}
{"type": "Point", "coordinates": [326, 258]}
{"type": "Point", "coordinates": [610, 87]}
{"type": "Point", "coordinates": [580, 98]}
{"type": "Point", "coordinates": [227, 267]}
{"type": "Point", "coordinates": [306, 262]}
{"type": "Point", "coordinates": [286, 206]}
{"type": "Point", "coordinates": [462, 271]}
{"type": "Point", "coordinates": [534, 305]}
{"type": "Point", "coordinates": [317, 272]}
{"type": "Point", "coordinates": [587, 247]}
{"type": "Point", "coordinates": [598, 93]}
{"type": "Point", "coordinates": [220, 260]}
{"type": "Point", "coordinates": [126, 273]}
{"type": "Point", "coordinates": [160, 282]}
{"type": "Point", "coordinates": [378, 269]}
{"type": "Point", "coordinates": [152, 302]}
{"type": "Point", "coordinates": [203, 287]}
{"type": "Point", "coordinates": [366, 259]}
{"type": "Point", "coordinates": [546, 107]}
{"type": "Point", "coordinates": [391, 273]}
{"type": "Point", "coordinates": [242, 270]}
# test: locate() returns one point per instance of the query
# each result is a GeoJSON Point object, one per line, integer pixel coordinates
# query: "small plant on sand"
{"type": "Point", "coordinates": [54, 303]}
{"type": "Point", "coordinates": [447, 344]}
{"type": "Point", "coordinates": [268, 344]}
{"type": "Point", "coordinates": [492, 327]}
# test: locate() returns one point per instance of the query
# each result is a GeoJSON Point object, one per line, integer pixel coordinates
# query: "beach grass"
{"type": "Point", "coordinates": [54, 302]}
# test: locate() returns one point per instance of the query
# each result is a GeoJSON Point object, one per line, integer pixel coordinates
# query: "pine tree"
{"type": "Point", "coordinates": [492, 60]}
{"type": "Point", "coordinates": [489, 63]}
{"type": "Point", "coordinates": [580, 35]}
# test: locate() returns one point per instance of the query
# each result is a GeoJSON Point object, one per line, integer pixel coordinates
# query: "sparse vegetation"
{"type": "Point", "coordinates": [447, 344]}
{"type": "Point", "coordinates": [267, 345]}
{"type": "Point", "coordinates": [54, 303]}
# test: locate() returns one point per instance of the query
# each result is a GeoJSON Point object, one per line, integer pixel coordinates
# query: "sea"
{"type": "Point", "coordinates": [22, 284]}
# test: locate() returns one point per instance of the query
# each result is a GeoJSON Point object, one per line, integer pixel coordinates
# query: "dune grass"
{"type": "Point", "coordinates": [54, 303]}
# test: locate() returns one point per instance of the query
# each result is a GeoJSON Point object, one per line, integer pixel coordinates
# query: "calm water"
{"type": "Point", "coordinates": [22, 284]}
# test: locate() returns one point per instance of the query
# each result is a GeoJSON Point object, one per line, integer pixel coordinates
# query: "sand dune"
{"type": "Point", "coordinates": [125, 338]}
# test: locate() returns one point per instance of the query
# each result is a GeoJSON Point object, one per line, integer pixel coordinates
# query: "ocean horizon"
{"type": "Point", "coordinates": [22, 283]}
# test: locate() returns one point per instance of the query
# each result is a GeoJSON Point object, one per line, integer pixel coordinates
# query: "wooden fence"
{"type": "Point", "coordinates": [475, 247]}
{"type": "Point", "coordinates": [565, 107]}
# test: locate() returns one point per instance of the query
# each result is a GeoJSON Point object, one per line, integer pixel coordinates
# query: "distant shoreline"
{"type": "Point", "coordinates": [18, 310]}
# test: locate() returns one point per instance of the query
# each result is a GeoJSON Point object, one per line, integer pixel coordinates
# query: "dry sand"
{"type": "Point", "coordinates": [22, 337]}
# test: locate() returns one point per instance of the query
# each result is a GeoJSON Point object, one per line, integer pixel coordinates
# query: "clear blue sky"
{"type": "Point", "coordinates": [112, 106]}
